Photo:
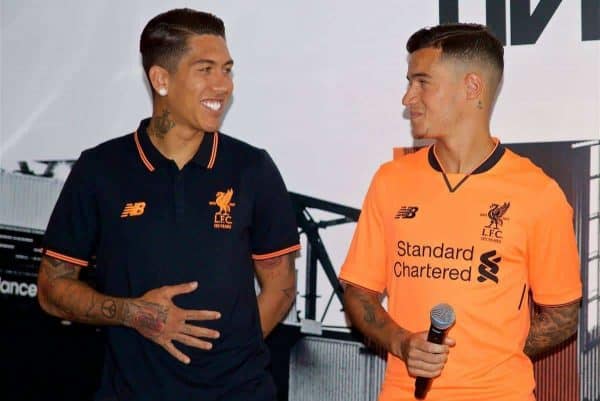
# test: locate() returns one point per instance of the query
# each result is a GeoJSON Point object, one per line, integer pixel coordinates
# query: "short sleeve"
{"type": "Point", "coordinates": [554, 273]}
{"type": "Point", "coordinates": [274, 231]}
{"type": "Point", "coordinates": [71, 231]}
{"type": "Point", "coordinates": [365, 263]}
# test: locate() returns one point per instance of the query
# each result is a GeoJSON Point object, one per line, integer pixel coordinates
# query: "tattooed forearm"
{"type": "Point", "coordinates": [363, 308]}
{"type": "Point", "coordinates": [67, 298]}
{"type": "Point", "coordinates": [90, 307]}
{"type": "Point", "coordinates": [109, 308]}
{"type": "Point", "coordinates": [371, 315]}
{"type": "Point", "coordinates": [160, 125]}
{"type": "Point", "coordinates": [62, 294]}
{"type": "Point", "coordinates": [146, 317]}
{"type": "Point", "coordinates": [551, 326]}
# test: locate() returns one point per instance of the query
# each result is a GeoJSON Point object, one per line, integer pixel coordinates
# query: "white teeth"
{"type": "Point", "coordinates": [212, 104]}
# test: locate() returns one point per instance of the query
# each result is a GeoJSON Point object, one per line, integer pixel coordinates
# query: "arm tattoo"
{"type": "Point", "coordinates": [551, 326]}
{"type": "Point", "coordinates": [277, 266]}
{"type": "Point", "coordinates": [109, 309]}
{"type": "Point", "coordinates": [68, 299]}
{"type": "Point", "coordinates": [370, 313]}
{"type": "Point", "coordinates": [269, 263]}
{"type": "Point", "coordinates": [160, 125]}
{"type": "Point", "coordinates": [56, 269]}
{"type": "Point", "coordinates": [147, 317]}
{"type": "Point", "coordinates": [90, 307]}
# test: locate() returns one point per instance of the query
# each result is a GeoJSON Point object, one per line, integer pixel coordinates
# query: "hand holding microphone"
{"type": "Point", "coordinates": [442, 318]}
{"type": "Point", "coordinates": [425, 353]}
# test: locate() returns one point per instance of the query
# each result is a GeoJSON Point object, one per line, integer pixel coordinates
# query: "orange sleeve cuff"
{"type": "Point", "coordinates": [66, 258]}
{"type": "Point", "coordinates": [276, 253]}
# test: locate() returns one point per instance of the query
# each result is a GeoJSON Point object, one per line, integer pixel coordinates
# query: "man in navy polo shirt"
{"type": "Point", "coordinates": [178, 217]}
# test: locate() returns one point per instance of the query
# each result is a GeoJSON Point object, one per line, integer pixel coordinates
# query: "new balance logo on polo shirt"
{"type": "Point", "coordinates": [407, 212]}
{"type": "Point", "coordinates": [133, 209]}
{"type": "Point", "coordinates": [222, 219]}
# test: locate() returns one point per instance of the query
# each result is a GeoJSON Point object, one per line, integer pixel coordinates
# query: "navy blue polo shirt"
{"type": "Point", "coordinates": [149, 224]}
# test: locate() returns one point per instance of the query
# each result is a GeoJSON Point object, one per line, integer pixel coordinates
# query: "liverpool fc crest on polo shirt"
{"type": "Point", "coordinates": [222, 219]}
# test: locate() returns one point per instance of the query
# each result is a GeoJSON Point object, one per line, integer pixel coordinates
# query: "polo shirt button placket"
{"type": "Point", "coordinates": [179, 196]}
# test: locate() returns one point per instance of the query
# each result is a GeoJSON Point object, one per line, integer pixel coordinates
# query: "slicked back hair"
{"type": "Point", "coordinates": [164, 38]}
{"type": "Point", "coordinates": [470, 43]}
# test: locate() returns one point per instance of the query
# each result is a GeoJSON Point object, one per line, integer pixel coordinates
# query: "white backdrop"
{"type": "Point", "coordinates": [318, 83]}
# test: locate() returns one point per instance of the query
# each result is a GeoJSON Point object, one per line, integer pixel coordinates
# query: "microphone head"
{"type": "Point", "coordinates": [442, 316]}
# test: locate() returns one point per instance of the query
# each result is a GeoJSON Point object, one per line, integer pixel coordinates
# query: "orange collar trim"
{"type": "Point", "coordinates": [145, 160]}
{"type": "Point", "coordinates": [213, 153]}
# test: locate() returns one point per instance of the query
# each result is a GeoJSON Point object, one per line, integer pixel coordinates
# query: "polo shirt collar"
{"type": "Point", "coordinates": [152, 159]}
{"type": "Point", "coordinates": [486, 165]}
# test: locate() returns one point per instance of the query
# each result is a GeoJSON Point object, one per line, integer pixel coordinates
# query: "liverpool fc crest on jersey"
{"type": "Point", "coordinates": [496, 215]}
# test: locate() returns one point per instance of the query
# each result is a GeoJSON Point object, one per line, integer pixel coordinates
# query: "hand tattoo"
{"type": "Point", "coordinates": [147, 317]}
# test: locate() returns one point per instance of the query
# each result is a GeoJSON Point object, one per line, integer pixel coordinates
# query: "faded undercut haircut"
{"type": "Point", "coordinates": [469, 43]}
{"type": "Point", "coordinates": [164, 38]}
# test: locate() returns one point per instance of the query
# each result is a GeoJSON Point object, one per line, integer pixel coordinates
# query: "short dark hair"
{"type": "Point", "coordinates": [466, 42]}
{"type": "Point", "coordinates": [164, 38]}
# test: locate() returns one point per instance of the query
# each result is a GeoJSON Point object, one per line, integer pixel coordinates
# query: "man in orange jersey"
{"type": "Point", "coordinates": [179, 218]}
{"type": "Point", "coordinates": [465, 222]}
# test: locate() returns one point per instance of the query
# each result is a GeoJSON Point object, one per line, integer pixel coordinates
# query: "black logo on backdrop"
{"type": "Point", "coordinates": [407, 212]}
{"type": "Point", "coordinates": [492, 231]}
{"type": "Point", "coordinates": [49, 169]}
{"type": "Point", "coordinates": [488, 269]}
{"type": "Point", "coordinates": [526, 24]}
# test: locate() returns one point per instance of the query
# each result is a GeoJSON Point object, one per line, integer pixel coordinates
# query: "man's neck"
{"type": "Point", "coordinates": [463, 154]}
{"type": "Point", "coordinates": [173, 141]}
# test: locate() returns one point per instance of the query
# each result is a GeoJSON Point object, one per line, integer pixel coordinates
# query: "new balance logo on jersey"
{"type": "Point", "coordinates": [407, 212]}
{"type": "Point", "coordinates": [133, 209]}
{"type": "Point", "coordinates": [488, 269]}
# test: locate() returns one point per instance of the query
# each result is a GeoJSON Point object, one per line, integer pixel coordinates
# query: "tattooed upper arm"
{"type": "Point", "coordinates": [52, 269]}
{"type": "Point", "coordinates": [275, 261]}
{"type": "Point", "coordinates": [276, 266]}
{"type": "Point", "coordinates": [550, 326]}
{"type": "Point", "coordinates": [55, 280]}
{"type": "Point", "coordinates": [279, 272]}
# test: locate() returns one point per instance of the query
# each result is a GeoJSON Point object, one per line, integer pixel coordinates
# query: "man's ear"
{"type": "Point", "coordinates": [159, 79]}
{"type": "Point", "coordinates": [473, 85]}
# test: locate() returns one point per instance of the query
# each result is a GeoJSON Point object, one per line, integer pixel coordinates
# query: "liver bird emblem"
{"type": "Point", "coordinates": [495, 214]}
{"type": "Point", "coordinates": [223, 201]}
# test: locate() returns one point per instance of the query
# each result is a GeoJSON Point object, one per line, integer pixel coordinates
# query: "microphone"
{"type": "Point", "coordinates": [442, 318]}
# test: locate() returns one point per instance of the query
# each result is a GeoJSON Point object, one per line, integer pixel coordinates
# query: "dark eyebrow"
{"type": "Point", "coordinates": [418, 75]}
{"type": "Point", "coordinates": [211, 62]}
